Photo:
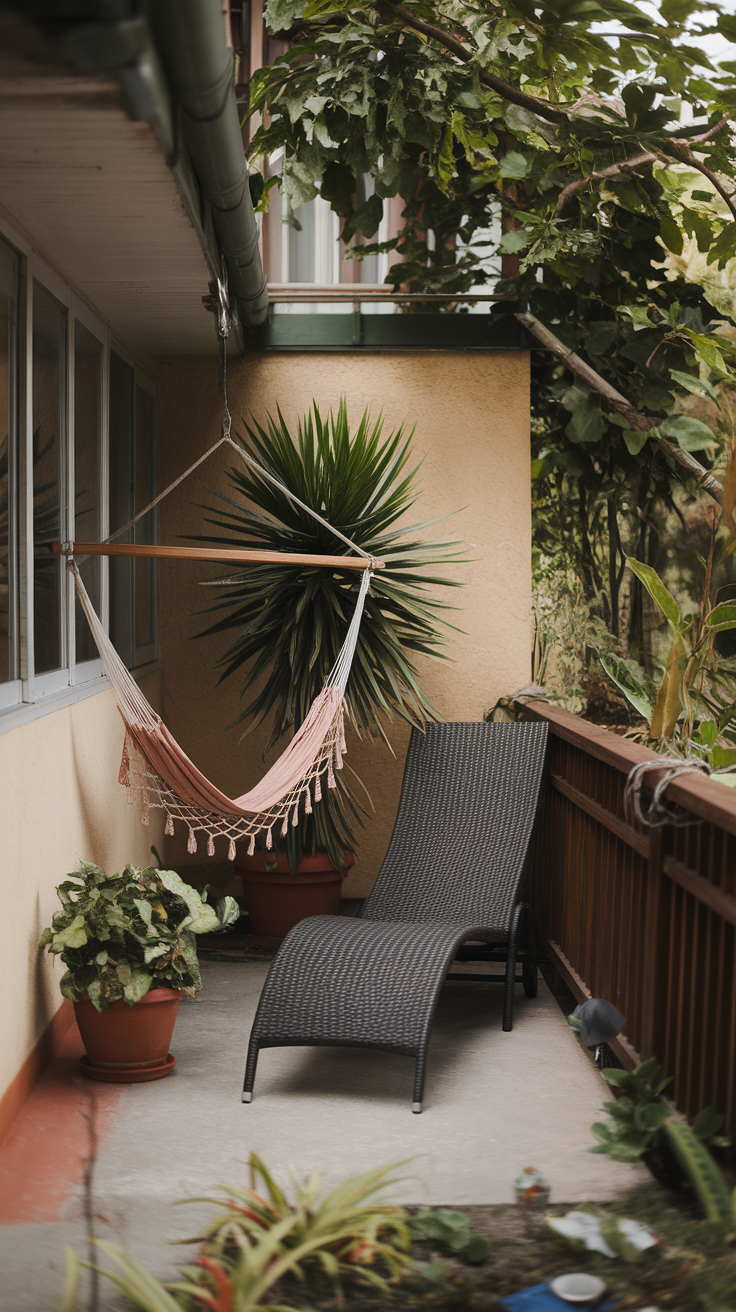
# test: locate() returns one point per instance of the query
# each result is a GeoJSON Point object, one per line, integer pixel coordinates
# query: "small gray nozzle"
{"type": "Point", "coordinates": [599, 1020]}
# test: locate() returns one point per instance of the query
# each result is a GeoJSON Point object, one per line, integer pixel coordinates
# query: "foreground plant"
{"type": "Point", "coordinates": [290, 622]}
{"type": "Point", "coordinates": [123, 934]}
{"type": "Point", "coordinates": [642, 1125]}
{"type": "Point", "coordinates": [254, 1242]}
{"type": "Point", "coordinates": [638, 1116]}
{"type": "Point", "coordinates": [450, 1231]}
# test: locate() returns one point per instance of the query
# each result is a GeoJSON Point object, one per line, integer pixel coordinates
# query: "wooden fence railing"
{"type": "Point", "coordinates": [646, 919]}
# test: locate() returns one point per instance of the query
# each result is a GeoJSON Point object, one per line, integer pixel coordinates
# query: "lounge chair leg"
{"type": "Point", "coordinates": [510, 981]}
{"type": "Point", "coordinates": [250, 1071]}
{"type": "Point", "coordinates": [419, 1072]}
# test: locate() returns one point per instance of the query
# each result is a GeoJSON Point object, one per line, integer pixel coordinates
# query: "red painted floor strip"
{"type": "Point", "coordinates": [42, 1158]}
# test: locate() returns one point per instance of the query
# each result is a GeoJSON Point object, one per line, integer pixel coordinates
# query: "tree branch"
{"type": "Point", "coordinates": [680, 149]}
{"type": "Point", "coordinates": [612, 171]}
{"type": "Point", "coordinates": [683, 151]}
{"type": "Point", "coordinates": [451, 43]}
{"type": "Point", "coordinates": [705, 136]}
{"type": "Point", "coordinates": [642, 423]}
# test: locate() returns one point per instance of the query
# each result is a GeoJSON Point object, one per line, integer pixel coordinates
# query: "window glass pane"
{"type": "Point", "coordinates": [121, 504]}
{"type": "Point", "coordinates": [8, 508]}
{"type": "Point", "coordinates": [87, 472]}
{"type": "Point", "coordinates": [302, 245]}
{"type": "Point", "coordinates": [145, 529]}
{"type": "Point", "coordinates": [367, 269]}
{"type": "Point", "coordinates": [49, 373]}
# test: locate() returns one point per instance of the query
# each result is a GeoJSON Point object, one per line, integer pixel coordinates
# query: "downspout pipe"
{"type": "Point", "coordinates": [190, 36]}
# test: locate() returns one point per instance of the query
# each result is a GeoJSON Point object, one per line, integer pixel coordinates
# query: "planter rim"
{"type": "Point", "coordinates": [162, 993]}
{"type": "Point", "coordinates": [317, 864]}
{"type": "Point", "coordinates": [301, 879]}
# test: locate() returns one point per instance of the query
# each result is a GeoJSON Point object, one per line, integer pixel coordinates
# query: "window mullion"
{"type": "Point", "coordinates": [67, 497]}
{"type": "Point", "coordinates": [105, 485]}
{"type": "Point", "coordinates": [25, 482]}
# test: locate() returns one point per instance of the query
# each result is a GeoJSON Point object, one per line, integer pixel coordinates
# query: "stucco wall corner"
{"type": "Point", "coordinates": [63, 802]}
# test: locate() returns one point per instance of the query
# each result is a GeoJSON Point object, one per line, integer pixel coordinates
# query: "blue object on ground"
{"type": "Point", "coordinates": [539, 1298]}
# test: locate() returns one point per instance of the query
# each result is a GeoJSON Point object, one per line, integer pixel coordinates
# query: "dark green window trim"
{"type": "Point", "coordinates": [388, 332]}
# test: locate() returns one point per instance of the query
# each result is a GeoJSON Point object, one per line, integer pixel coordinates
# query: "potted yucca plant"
{"type": "Point", "coordinates": [128, 943]}
{"type": "Point", "coordinates": [288, 623]}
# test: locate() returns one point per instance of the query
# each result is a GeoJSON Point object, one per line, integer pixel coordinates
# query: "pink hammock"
{"type": "Point", "coordinates": [158, 773]}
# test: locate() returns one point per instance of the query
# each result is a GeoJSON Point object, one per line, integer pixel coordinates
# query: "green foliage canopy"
{"type": "Point", "coordinates": [553, 134]}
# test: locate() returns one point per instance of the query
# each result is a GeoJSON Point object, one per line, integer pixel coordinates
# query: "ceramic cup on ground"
{"type": "Point", "coordinates": [577, 1287]}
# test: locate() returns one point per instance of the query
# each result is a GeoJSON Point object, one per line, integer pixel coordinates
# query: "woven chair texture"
{"type": "Point", "coordinates": [467, 806]}
{"type": "Point", "coordinates": [451, 875]}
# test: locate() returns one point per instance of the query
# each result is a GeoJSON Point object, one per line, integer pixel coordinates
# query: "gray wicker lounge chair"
{"type": "Point", "coordinates": [448, 889]}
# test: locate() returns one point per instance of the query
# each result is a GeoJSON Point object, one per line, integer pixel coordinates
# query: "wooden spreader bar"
{"type": "Point", "coordinates": [227, 555]}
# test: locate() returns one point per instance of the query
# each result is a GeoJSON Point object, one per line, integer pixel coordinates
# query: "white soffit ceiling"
{"type": "Point", "coordinates": [93, 191]}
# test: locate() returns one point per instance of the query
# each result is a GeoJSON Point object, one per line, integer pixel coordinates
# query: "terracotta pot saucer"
{"type": "Point", "coordinates": [130, 1075]}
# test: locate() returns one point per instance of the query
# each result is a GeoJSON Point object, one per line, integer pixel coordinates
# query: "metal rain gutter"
{"type": "Point", "coordinates": [190, 37]}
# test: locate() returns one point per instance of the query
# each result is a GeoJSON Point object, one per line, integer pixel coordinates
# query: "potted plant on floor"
{"type": "Point", "coordinates": [128, 942]}
{"type": "Point", "coordinates": [290, 622]}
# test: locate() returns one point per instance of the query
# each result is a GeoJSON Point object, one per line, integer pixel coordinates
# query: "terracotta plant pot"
{"type": "Point", "coordinates": [129, 1045]}
{"type": "Point", "coordinates": [277, 901]}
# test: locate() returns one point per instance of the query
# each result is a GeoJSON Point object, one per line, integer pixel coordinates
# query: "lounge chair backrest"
{"type": "Point", "coordinates": [468, 802]}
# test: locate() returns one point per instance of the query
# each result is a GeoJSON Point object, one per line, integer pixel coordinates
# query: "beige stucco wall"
{"type": "Point", "coordinates": [471, 411]}
{"type": "Point", "coordinates": [61, 802]}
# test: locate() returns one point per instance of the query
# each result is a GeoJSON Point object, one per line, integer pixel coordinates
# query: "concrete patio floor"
{"type": "Point", "coordinates": [494, 1103]}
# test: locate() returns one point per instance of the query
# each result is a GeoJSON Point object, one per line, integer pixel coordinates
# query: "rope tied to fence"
{"type": "Point", "coordinates": [659, 810]}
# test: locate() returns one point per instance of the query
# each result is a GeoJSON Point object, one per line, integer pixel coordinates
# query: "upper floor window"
{"type": "Point", "coordinates": [316, 253]}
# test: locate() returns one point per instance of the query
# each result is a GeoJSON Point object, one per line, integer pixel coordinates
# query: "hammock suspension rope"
{"type": "Point", "coordinates": [156, 771]}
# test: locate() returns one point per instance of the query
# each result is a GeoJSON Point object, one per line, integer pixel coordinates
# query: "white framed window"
{"type": "Point", "coordinates": [57, 483]}
{"type": "Point", "coordinates": [315, 253]}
